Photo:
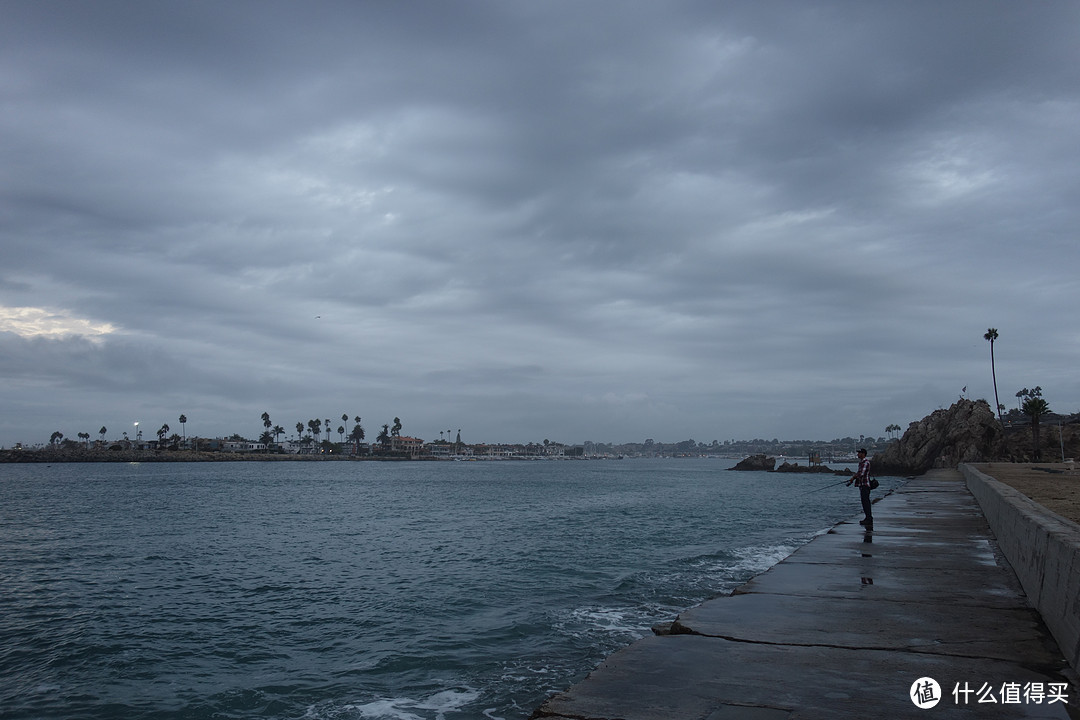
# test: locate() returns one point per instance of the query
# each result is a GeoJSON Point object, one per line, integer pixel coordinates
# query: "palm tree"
{"type": "Point", "coordinates": [1035, 407]}
{"type": "Point", "coordinates": [183, 425]}
{"type": "Point", "coordinates": [299, 431]}
{"type": "Point", "coordinates": [102, 432]}
{"type": "Point", "coordinates": [384, 436]}
{"type": "Point", "coordinates": [278, 431]}
{"type": "Point", "coordinates": [266, 430]}
{"type": "Point", "coordinates": [56, 437]}
{"type": "Point", "coordinates": [396, 430]}
{"type": "Point", "coordinates": [357, 435]}
{"type": "Point", "coordinates": [992, 335]}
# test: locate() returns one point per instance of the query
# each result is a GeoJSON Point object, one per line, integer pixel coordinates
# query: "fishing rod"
{"type": "Point", "coordinates": [824, 488]}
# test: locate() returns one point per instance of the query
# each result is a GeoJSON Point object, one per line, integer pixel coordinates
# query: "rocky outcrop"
{"type": "Point", "coordinates": [756, 462]}
{"type": "Point", "coordinates": [797, 468]}
{"type": "Point", "coordinates": [967, 432]}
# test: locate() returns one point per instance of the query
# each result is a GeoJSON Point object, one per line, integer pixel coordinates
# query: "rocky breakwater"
{"type": "Point", "coordinates": [967, 432]}
{"type": "Point", "coordinates": [818, 469]}
{"type": "Point", "coordinates": [756, 462]}
{"type": "Point", "coordinates": [764, 463]}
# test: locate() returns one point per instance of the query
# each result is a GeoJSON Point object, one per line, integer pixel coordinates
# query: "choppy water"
{"type": "Point", "coordinates": [363, 590]}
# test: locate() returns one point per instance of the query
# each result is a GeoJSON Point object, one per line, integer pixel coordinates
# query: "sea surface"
{"type": "Point", "coordinates": [349, 590]}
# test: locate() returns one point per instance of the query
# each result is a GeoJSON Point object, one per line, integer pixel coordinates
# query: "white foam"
{"type": "Point", "coordinates": [759, 558]}
{"type": "Point", "coordinates": [440, 703]}
{"type": "Point", "coordinates": [589, 621]}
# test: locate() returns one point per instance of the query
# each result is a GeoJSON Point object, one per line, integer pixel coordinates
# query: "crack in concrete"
{"type": "Point", "coordinates": [679, 629]}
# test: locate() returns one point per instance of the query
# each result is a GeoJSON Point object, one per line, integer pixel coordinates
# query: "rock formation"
{"type": "Point", "coordinates": [756, 462]}
{"type": "Point", "coordinates": [966, 432]}
{"type": "Point", "coordinates": [821, 469]}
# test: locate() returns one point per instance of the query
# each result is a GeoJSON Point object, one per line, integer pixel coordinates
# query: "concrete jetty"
{"type": "Point", "coordinates": [920, 617]}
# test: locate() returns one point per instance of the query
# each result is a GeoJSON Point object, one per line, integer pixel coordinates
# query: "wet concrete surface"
{"type": "Point", "coordinates": [844, 628]}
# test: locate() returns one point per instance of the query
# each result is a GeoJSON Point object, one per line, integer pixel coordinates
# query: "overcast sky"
{"type": "Point", "coordinates": [603, 221]}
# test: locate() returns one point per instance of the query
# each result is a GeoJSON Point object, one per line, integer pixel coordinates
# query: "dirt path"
{"type": "Point", "coordinates": [1052, 485]}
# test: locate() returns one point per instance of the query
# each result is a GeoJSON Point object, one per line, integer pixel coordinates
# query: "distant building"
{"type": "Point", "coordinates": [405, 444]}
{"type": "Point", "coordinates": [243, 446]}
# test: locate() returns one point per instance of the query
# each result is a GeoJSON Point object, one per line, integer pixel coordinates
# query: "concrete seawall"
{"type": "Point", "coordinates": [1044, 551]}
{"type": "Point", "coordinates": [858, 623]}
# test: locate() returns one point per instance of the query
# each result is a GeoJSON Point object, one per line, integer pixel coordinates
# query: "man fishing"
{"type": "Point", "coordinates": [861, 478]}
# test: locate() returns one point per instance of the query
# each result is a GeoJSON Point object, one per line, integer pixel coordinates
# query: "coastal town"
{"type": "Point", "coordinates": [315, 440]}
{"type": "Point", "coordinates": [311, 441]}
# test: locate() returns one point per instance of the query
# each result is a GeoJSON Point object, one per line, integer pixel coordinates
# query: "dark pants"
{"type": "Point", "coordinates": [864, 495]}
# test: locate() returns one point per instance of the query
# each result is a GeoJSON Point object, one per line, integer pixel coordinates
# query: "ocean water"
{"type": "Point", "coordinates": [384, 591]}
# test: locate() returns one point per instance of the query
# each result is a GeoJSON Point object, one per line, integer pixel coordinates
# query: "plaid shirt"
{"type": "Point", "coordinates": [862, 475]}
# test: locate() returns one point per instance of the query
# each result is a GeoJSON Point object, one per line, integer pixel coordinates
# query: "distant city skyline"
{"type": "Point", "coordinates": [1012, 417]}
{"type": "Point", "coordinates": [600, 221]}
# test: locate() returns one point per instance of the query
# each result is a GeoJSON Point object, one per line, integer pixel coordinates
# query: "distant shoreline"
{"type": "Point", "coordinates": [50, 456]}
{"type": "Point", "coordinates": [129, 456]}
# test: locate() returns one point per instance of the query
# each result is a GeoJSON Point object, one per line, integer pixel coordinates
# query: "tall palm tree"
{"type": "Point", "coordinates": [1035, 407]}
{"type": "Point", "coordinates": [183, 425]}
{"type": "Point", "coordinates": [992, 335]}
{"type": "Point", "coordinates": [102, 432]}
{"type": "Point", "coordinates": [266, 429]}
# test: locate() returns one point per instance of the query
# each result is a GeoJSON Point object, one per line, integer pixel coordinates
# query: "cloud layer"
{"type": "Point", "coordinates": [604, 221]}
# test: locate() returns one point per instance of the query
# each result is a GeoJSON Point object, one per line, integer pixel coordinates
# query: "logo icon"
{"type": "Point", "coordinates": [925, 693]}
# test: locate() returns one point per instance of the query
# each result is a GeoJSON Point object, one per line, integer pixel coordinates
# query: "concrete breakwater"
{"type": "Point", "coordinates": [1044, 550]}
{"type": "Point", "coordinates": [851, 625]}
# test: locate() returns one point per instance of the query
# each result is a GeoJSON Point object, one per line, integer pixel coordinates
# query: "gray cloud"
{"type": "Point", "coordinates": [604, 221]}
